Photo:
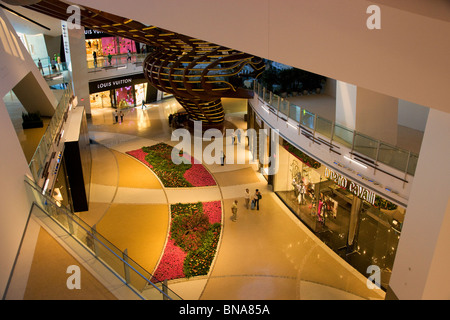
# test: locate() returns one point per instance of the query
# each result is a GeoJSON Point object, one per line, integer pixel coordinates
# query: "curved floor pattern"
{"type": "Point", "coordinates": [265, 254]}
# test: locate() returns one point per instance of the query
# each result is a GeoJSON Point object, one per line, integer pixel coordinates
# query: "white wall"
{"type": "Point", "coordinates": [346, 104]}
{"type": "Point", "coordinates": [412, 115]}
{"type": "Point", "coordinates": [15, 63]}
{"type": "Point", "coordinates": [36, 46]}
{"type": "Point", "coordinates": [14, 203]}
{"type": "Point", "coordinates": [377, 115]}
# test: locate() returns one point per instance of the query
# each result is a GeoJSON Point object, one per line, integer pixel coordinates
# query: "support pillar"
{"type": "Point", "coordinates": [75, 51]}
{"type": "Point", "coordinates": [422, 260]}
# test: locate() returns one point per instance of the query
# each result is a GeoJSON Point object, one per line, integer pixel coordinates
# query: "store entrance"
{"type": "Point", "coordinates": [100, 100]}
{"type": "Point", "coordinates": [362, 233]}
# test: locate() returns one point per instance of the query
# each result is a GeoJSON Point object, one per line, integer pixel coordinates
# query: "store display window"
{"type": "Point", "coordinates": [101, 99]}
{"type": "Point", "coordinates": [141, 92]}
{"type": "Point", "coordinates": [125, 97]}
{"type": "Point", "coordinates": [109, 46]}
{"type": "Point", "coordinates": [364, 230]}
{"type": "Point", "coordinates": [125, 45]}
{"type": "Point", "coordinates": [94, 45]}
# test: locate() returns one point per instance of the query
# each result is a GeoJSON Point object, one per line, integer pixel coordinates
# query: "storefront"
{"type": "Point", "coordinates": [104, 44]}
{"type": "Point", "coordinates": [360, 226]}
{"type": "Point", "coordinates": [124, 92]}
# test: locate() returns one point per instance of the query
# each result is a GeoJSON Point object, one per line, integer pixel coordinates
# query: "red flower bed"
{"type": "Point", "coordinates": [198, 176]}
{"type": "Point", "coordinates": [199, 241]}
{"type": "Point", "coordinates": [171, 264]}
{"type": "Point", "coordinates": [171, 175]}
{"type": "Point", "coordinates": [213, 210]}
{"type": "Point", "coordinates": [140, 155]}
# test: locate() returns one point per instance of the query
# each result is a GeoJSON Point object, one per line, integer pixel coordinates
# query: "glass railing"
{"type": "Point", "coordinates": [374, 149]}
{"type": "Point", "coordinates": [115, 61]}
{"type": "Point", "coordinates": [126, 269]}
{"type": "Point", "coordinates": [39, 159]}
{"type": "Point", "coordinates": [50, 66]}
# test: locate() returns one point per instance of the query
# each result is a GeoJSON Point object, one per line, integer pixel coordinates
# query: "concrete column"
{"type": "Point", "coordinates": [421, 264]}
{"type": "Point", "coordinates": [368, 112]}
{"type": "Point", "coordinates": [346, 104]}
{"type": "Point", "coordinates": [75, 50]}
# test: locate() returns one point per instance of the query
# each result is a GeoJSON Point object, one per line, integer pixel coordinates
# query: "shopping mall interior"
{"type": "Point", "coordinates": [336, 114]}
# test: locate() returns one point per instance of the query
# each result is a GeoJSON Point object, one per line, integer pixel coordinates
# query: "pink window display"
{"type": "Point", "coordinates": [125, 44]}
{"type": "Point", "coordinates": [109, 45]}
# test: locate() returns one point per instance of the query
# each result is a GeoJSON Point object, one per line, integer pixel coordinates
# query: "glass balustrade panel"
{"type": "Point", "coordinates": [324, 127]}
{"type": "Point", "coordinates": [365, 145]}
{"type": "Point", "coordinates": [393, 157]}
{"type": "Point", "coordinates": [307, 119]}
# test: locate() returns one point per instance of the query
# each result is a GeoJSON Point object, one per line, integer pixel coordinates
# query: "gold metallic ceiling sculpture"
{"type": "Point", "coordinates": [198, 73]}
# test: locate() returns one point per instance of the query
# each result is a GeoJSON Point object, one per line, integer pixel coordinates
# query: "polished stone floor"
{"type": "Point", "coordinates": [265, 254]}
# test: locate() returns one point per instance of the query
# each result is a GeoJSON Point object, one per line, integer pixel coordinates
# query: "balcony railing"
{"type": "Point", "coordinates": [374, 149]}
{"type": "Point", "coordinates": [40, 157]}
{"type": "Point", "coordinates": [144, 285]}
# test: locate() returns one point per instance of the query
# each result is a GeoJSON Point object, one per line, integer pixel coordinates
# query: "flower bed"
{"type": "Point", "coordinates": [193, 239]}
{"type": "Point", "coordinates": [159, 158]}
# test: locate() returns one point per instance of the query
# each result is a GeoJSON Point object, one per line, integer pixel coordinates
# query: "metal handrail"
{"type": "Point", "coordinates": [49, 200]}
{"type": "Point", "coordinates": [257, 88]}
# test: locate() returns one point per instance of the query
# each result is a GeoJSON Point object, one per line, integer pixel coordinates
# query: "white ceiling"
{"type": "Point", "coordinates": [23, 26]}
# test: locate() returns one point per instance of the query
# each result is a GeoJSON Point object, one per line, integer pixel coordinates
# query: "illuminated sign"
{"type": "Point", "coordinates": [351, 186]}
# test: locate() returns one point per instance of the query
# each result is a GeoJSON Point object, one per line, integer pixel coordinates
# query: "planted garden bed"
{"type": "Point", "coordinates": [194, 235]}
{"type": "Point", "coordinates": [159, 158]}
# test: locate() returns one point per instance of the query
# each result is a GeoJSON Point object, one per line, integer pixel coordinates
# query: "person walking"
{"type": "Point", "coordinates": [116, 116]}
{"type": "Point", "coordinates": [222, 158]}
{"type": "Point", "coordinates": [256, 197]}
{"type": "Point", "coordinates": [121, 116]}
{"type": "Point", "coordinates": [238, 133]}
{"type": "Point", "coordinates": [41, 69]}
{"type": "Point", "coordinates": [247, 198]}
{"type": "Point", "coordinates": [109, 58]}
{"type": "Point", "coordinates": [94, 55]}
{"type": "Point", "coordinates": [234, 209]}
{"type": "Point", "coordinates": [128, 55]}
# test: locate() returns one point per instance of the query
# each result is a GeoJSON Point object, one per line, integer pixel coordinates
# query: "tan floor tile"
{"type": "Point", "coordinates": [48, 275]}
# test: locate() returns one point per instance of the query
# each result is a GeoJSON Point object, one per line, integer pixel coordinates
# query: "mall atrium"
{"type": "Point", "coordinates": [234, 150]}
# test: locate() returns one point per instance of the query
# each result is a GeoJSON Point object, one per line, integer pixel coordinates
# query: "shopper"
{"type": "Point", "coordinates": [116, 116]}
{"type": "Point", "coordinates": [238, 133]}
{"type": "Point", "coordinates": [247, 198]}
{"type": "Point", "coordinates": [94, 55]}
{"type": "Point", "coordinates": [121, 116]}
{"type": "Point", "coordinates": [41, 69]}
{"type": "Point", "coordinates": [222, 158]}
{"type": "Point", "coordinates": [256, 197]}
{"type": "Point", "coordinates": [129, 56]}
{"type": "Point", "coordinates": [109, 58]}
{"type": "Point", "coordinates": [234, 209]}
